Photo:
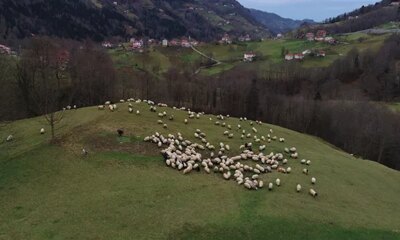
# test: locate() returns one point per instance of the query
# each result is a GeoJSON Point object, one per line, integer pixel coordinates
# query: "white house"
{"type": "Point", "coordinates": [289, 57]}
{"type": "Point", "coordinates": [299, 56]}
{"type": "Point", "coordinates": [165, 43]}
{"type": "Point", "coordinates": [249, 57]}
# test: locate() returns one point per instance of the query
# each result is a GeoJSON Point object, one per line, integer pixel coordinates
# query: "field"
{"type": "Point", "coordinates": [122, 189]}
{"type": "Point", "coordinates": [268, 51]}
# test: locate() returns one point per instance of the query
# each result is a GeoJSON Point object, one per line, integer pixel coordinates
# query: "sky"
{"type": "Point", "coordinates": [311, 9]}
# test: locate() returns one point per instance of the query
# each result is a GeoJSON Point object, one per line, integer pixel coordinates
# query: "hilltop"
{"type": "Point", "coordinates": [123, 187]}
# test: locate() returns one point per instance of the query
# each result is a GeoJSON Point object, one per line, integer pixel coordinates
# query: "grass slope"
{"type": "Point", "coordinates": [123, 190]}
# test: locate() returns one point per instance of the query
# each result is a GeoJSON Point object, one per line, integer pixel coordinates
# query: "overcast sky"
{"type": "Point", "coordinates": [310, 9]}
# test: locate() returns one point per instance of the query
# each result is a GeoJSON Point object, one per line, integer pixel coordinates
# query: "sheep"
{"type": "Point", "coordinates": [100, 107]}
{"type": "Point", "coordinates": [227, 175]}
{"type": "Point", "coordinates": [186, 121]}
{"type": "Point", "coordinates": [137, 112]}
{"type": "Point", "coordinates": [270, 186]}
{"type": "Point", "coordinates": [171, 118]}
{"type": "Point", "coordinates": [165, 126]}
{"type": "Point", "coordinates": [305, 171]}
{"type": "Point", "coordinates": [278, 182]}
{"type": "Point", "coordinates": [160, 122]}
{"type": "Point", "coordinates": [84, 152]}
{"type": "Point", "coordinates": [313, 193]}
{"type": "Point", "coordinates": [111, 107]}
{"type": "Point", "coordinates": [303, 161]}
{"type": "Point", "coordinates": [247, 185]}
{"type": "Point", "coordinates": [260, 184]}
{"type": "Point", "coordinates": [298, 188]}
{"type": "Point", "coordinates": [313, 180]}
{"type": "Point", "coordinates": [10, 138]}
{"type": "Point", "coordinates": [107, 103]}
{"type": "Point", "coordinates": [281, 140]}
{"type": "Point", "coordinates": [130, 110]}
{"type": "Point", "coordinates": [308, 162]}
{"type": "Point", "coordinates": [288, 170]}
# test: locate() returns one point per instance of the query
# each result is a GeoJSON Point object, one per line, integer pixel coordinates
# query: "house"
{"type": "Point", "coordinates": [164, 43]}
{"type": "Point", "coordinates": [194, 42]}
{"type": "Point", "coordinates": [289, 57]}
{"type": "Point", "coordinates": [5, 50]}
{"type": "Point", "coordinates": [330, 40]}
{"type": "Point", "coordinates": [226, 39]}
{"type": "Point", "coordinates": [321, 53]}
{"type": "Point", "coordinates": [175, 42]}
{"type": "Point", "coordinates": [298, 56]}
{"type": "Point", "coordinates": [185, 43]}
{"type": "Point", "coordinates": [107, 44]}
{"type": "Point", "coordinates": [321, 34]}
{"type": "Point", "coordinates": [306, 52]}
{"type": "Point", "coordinates": [310, 36]}
{"type": "Point", "coordinates": [395, 3]}
{"type": "Point", "coordinates": [249, 57]}
{"type": "Point", "coordinates": [245, 38]}
{"type": "Point", "coordinates": [279, 36]}
{"type": "Point", "coordinates": [137, 44]}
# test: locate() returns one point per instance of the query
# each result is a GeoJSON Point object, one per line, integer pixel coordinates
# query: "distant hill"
{"type": "Point", "coordinates": [276, 23]}
{"type": "Point", "coordinates": [102, 19]}
{"type": "Point", "coordinates": [360, 19]}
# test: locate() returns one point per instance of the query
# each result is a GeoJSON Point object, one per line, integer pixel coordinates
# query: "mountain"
{"type": "Point", "coordinates": [276, 23]}
{"type": "Point", "coordinates": [102, 19]}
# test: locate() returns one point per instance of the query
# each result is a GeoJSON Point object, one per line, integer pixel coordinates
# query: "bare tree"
{"type": "Point", "coordinates": [41, 79]}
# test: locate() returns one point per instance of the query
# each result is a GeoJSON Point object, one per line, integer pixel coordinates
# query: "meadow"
{"type": "Point", "coordinates": [123, 190]}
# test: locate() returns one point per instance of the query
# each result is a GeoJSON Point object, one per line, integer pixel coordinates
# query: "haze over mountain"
{"type": "Point", "coordinates": [276, 23]}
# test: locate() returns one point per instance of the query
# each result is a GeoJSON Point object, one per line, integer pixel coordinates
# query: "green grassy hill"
{"type": "Point", "coordinates": [123, 190]}
{"type": "Point", "coordinates": [269, 51]}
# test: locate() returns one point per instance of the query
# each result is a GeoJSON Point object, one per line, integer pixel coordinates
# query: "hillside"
{"type": "Point", "coordinates": [103, 19]}
{"type": "Point", "coordinates": [268, 51]}
{"type": "Point", "coordinates": [364, 18]}
{"type": "Point", "coordinates": [123, 188]}
{"type": "Point", "coordinates": [276, 23]}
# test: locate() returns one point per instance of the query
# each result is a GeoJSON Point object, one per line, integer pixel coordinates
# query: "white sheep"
{"type": "Point", "coordinates": [100, 107]}
{"type": "Point", "coordinates": [270, 186]}
{"type": "Point", "coordinates": [278, 182]}
{"type": "Point", "coordinates": [298, 188]}
{"type": "Point", "coordinates": [137, 112]}
{"type": "Point", "coordinates": [42, 131]}
{"type": "Point", "coordinates": [10, 138]}
{"type": "Point", "coordinates": [313, 180]}
{"type": "Point", "coordinates": [313, 193]}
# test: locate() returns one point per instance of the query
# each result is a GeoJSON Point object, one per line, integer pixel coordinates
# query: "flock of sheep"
{"type": "Point", "coordinates": [187, 156]}
{"type": "Point", "coordinates": [246, 169]}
